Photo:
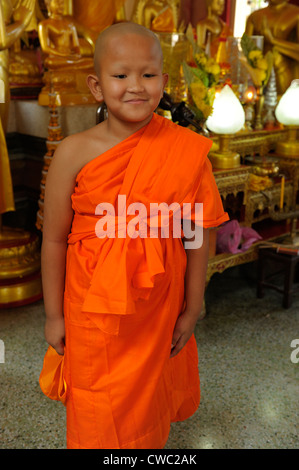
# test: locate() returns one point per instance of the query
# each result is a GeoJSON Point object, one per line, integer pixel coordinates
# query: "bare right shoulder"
{"type": "Point", "coordinates": [75, 151]}
{"type": "Point", "coordinates": [86, 145]}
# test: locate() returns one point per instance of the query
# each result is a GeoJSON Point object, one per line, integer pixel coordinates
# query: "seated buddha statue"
{"type": "Point", "coordinates": [66, 67]}
{"type": "Point", "coordinates": [24, 69]}
{"type": "Point", "coordinates": [212, 27]}
{"type": "Point", "coordinates": [279, 24]}
{"type": "Point", "coordinates": [157, 15]}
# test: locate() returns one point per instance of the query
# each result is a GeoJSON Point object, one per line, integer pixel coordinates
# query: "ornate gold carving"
{"type": "Point", "coordinates": [261, 142]}
{"type": "Point", "coordinates": [20, 256]}
{"type": "Point", "coordinates": [227, 260]}
{"type": "Point", "coordinates": [232, 181]}
{"type": "Point", "coordinates": [54, 138]}
{"type": "Point", "coordinates": [20, 280]}
{"type": "Point", "coordinates": [260, 203]}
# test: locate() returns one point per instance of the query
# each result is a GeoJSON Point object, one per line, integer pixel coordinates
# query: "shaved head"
{"type": "Point", "coordinates": [120, 31]}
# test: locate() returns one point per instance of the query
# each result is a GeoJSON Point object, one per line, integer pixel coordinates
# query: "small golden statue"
{"type": "Point", "coordinates": [212, 30]}
{"type": "Point", "coordinates": [157, 15]}
{"type": "Point", "coordinates": [279, 24]}
{"type": "Point", "coordinates": [66, 67]}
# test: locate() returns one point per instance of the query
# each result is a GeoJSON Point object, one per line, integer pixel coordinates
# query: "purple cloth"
{"type": "Point", "coordinates": [231, 238]}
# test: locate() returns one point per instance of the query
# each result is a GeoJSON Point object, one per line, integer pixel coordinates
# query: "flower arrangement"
{"type": "Point", "coordinates": [201, 75]}
{"type": "Point", "coordinates": [258, 65]}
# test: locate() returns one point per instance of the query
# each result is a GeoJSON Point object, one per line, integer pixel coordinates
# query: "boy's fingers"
{"type": "Point", "coordinates": [59, 348]}
{"type": "Point", "coordinates": [176, 347]}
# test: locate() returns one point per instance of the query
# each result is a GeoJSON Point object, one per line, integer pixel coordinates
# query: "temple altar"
{"type": "Point", "coordinates": [198, 74]}
{"type": "Point", "coordinates": [28, 119]}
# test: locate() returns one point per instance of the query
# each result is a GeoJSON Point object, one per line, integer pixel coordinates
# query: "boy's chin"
{"type": "Point", "coordinates": [137, 119]}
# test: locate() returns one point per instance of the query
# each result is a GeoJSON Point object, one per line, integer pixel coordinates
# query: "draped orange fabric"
{"type": "Point", "coordinates": [123, 294]}
{"type": "Point", "coordinates": [51, 378]}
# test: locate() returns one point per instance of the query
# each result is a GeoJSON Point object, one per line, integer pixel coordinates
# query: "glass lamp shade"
{"type": "Point", "coordinates": [228, 115]}
{"type": "Point", "coordinates": [287, 110]}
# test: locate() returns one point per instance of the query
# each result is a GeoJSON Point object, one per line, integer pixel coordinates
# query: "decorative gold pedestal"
{"type": "Point", "coordinates": [290, 147]}
{"type": "Point", "coordinates": [20, 277]}
{"type": "Point", "coordinates": [224, 158]}
{"type": "Point", "coordinates": [70, 88]}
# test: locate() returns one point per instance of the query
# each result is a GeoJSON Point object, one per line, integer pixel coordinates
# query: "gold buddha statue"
{"type": "Point", "coordinates": [279, 24]}
{"type": "Point", "coordinates": [13, 21]}
{"type": "Point", "coordinates": [95, 14]}
{"type": "Point", "coordinates": [157, 15]}
{"type": "Point", "coordinates": [65, 65]}
{"type": "Point", "coordinates": [23, 61]}
{"type": "Point", "coordinates": [23, 67]}
{"type": "Point", "coordinates": [212, 29]}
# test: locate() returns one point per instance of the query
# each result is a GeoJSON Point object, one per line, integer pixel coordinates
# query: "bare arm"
{"type": "Point", "coordinates": [10, 33]}
{"type": "Point", "coordinates": [288, 48]}
{"type": "Point", "coordinates": [195, 281]}
{"type": "Point", "coordinates": [58, 217]}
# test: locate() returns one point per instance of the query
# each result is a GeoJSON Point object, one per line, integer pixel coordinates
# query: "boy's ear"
{"type": "Point", "coordinates": [94, 86]}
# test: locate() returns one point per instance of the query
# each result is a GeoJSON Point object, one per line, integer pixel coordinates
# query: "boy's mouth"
{"type": "Point", "coordinates": [135, 101]}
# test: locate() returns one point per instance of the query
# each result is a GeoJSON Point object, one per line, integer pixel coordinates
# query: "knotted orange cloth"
{"type": "Point", "coordinates": [123, 295]}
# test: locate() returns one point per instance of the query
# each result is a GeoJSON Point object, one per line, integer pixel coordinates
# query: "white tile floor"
{"type": "Point", "coordinates": [249, 383]}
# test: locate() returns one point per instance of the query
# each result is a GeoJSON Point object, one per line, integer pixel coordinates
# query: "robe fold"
{"type": "Point", "coordinates": [123, 294]}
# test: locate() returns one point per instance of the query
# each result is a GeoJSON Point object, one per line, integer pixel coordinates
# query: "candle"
{"type": "Point", "coordinates": [281, 192]}
{"type": "Point", "coordinates": [249, 95]}
{"type": "Point", "coordinates": [2, 91]}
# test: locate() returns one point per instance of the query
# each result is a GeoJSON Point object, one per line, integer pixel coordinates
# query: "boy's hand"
{"type": "Point", "coordinates": [55, 333]}
{"type": "Point", "coordinates": [183, 330]}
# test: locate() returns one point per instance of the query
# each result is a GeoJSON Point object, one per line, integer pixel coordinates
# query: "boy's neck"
{"type": "Point", "coordinates": [120, 131]}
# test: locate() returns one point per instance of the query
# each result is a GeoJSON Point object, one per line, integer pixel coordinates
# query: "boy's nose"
{"type": "Point", "coordinates": [135, 85]}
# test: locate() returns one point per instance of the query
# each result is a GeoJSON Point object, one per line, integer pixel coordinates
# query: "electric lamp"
{"type": "Point", "coordinates": [228, 117]}
{"type": "Point", "coordinates": [287, 113]}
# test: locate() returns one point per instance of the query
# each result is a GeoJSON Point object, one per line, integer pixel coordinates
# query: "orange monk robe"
{"type": "Point", "coordinates": [123, 295]}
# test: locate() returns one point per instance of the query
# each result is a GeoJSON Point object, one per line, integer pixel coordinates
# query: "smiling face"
{"type": "Point", "coordinates": [130, 78]}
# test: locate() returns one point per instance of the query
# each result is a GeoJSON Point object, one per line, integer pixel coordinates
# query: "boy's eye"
{"type": "Point", "coordinates": [120, 76]}
{"type": "Point", "coordinates": [149, 75]}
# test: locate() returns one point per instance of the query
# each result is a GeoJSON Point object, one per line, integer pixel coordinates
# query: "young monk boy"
{"type": "Point", "coordinates": [122, 308]}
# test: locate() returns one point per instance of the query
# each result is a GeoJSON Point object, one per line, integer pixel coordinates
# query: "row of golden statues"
{"type": "Point", "coordinates": [67, 31]}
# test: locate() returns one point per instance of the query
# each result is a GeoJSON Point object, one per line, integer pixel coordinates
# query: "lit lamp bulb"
{"type": "Point", "coordinates": [287, 113]}
{"type": "Point", "coordinates": [228, 117]}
